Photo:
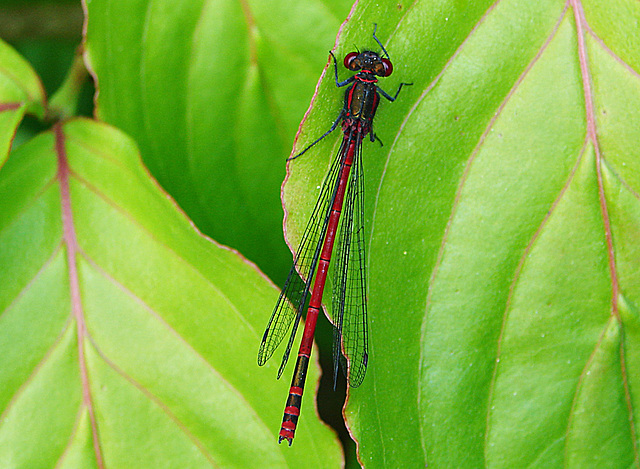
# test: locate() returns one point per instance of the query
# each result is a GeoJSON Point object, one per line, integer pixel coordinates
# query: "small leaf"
{"type": "Point", "coordinates": [20, 91]}
{"type": "Point", "coordinates": [128, 340]}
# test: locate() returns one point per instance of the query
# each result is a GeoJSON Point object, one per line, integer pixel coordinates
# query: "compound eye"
{"type": "Point", "coordinates": [350, 61]}
{"type": "Point", "coordinates": [388, 68]}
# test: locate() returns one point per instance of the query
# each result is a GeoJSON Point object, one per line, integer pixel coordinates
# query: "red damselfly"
{"type": "Point", "coordinates": [342, 190]}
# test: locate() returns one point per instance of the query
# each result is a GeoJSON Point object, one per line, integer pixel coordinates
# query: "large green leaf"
{"type": "Point", "coordinates": [20, 91]}
{"type": "Point", "coordinates": [213, 92]}
{"type": "Point", "coordinates": [504, 233]}
{"type": "Point", "coordinates": [128, 339]}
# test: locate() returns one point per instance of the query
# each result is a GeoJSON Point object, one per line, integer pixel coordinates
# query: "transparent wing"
{"type": "Point", "coordinates": [295, 293]}
{"type": "Point", "coordinates": [349, 311]}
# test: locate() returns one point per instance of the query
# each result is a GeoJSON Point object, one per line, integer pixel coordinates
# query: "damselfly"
{"type": "Point", "coordinates": [342, 190]}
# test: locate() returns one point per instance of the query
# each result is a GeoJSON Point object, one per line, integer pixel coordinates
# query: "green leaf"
{"type": "Point", "coordinates": [213, 93]}
{"type": "Point", "coordinates": [20, 91]}
{"type": "Point", "coordinates": [504, 225]}
{"type": "Point", "coordinates": [128, 339]}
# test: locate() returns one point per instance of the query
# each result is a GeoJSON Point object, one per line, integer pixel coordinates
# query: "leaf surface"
{"type": "Point", "coordinates": [20, 91]}
{"type": "Point", "coordinates": [503, 220]}
{"type": "Point", "coordinates": [129, 340]}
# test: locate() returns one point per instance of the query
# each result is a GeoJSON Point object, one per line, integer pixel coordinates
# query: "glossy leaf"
{"type": "Point", "coordinates": [128, 339]}
{"type": "Point", "coordinates": [504, 226]}
{"type": "Point", "coordinates": [213, 93]}
{"type": "Point", "coordinates": [20, 91]}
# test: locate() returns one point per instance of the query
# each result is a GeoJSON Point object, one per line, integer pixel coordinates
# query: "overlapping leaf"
{"type": "Point", "coordinates": [20, 92]}
{"type": "Point", "coordinates": [128, 340]}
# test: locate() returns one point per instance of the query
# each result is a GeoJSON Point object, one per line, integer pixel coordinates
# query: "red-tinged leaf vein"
{"type": "Point", "coordinates": [133, 220]}
{"type": "Point", "coordinates": [427, 90]}
{"type": "Point", "coordinates": [471, 158]}
{"type": "Point", "coordinates": [10, 106]}
{"type": "Point", "coordinates": [623, 181]}
{"type": "Point", "coordinates": [581, 379]}
{"type": "Point", "coordinates": [26, 207]}
{"type": "Point", "coordinates": [74, 285]}
{"type": "Point", "coordinates": [480, 143]}
{"type": "Point", "coordinates": [514, 283]}
{"type": "Point", "coordinates": [72, 437]}
{"type": "Point", "coordinates": [407, 118]}
{"type": "Point", "coordinates": [593, 136]}
{"type": "Point", "coordinates": [156, 400]}
{"type": "Point", "coordinates": [463, 180]}
{"type": "Point", "coordinates": [35, 372]}
{"type": "Point", "coordinates": [633, 72]}
{"type": "Point", "coordinates": [412, 112]}
{"type": "Point", "coordinates": [29, 285]}
{"type": "Point", "coordinates": [592, 133]}
{"type": "Point", "coordinates": [613, 55]}
{"type": "Point", "coordinates": [167, 326]}
{"type": "Point", "coordinates": [97, 152]}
